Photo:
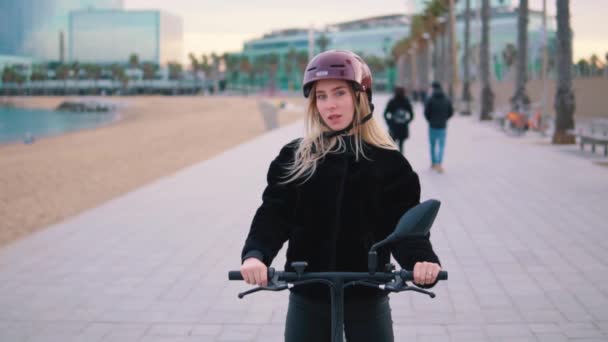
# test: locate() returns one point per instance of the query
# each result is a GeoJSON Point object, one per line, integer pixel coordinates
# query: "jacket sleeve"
{"type": "Point", "coordinates": [427, 110]}
{"type": "Point", "coordinates": [402, 194]}
{"type": "Point", "coordinates": [271, 224]}
{"type": "Point", "coordinates": [400, 190]}
{"type": "Point", "coordinates": [388, 110]}
{"type": "Point", "coordinates": [410, 110]}
{"type": "Point", "coordinates": [450, 109]}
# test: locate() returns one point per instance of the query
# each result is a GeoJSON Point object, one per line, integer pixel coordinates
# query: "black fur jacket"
{"type": "Point", "coordinates": [333, 218]}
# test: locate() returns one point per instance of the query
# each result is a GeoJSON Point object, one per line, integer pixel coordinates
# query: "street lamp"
{"type": "Point", "coordinates": [412, 51]}
{"type": "Point", "coordinates": [441, 50]}
{"type": "Point", "coordinates": [453, 60]}
{"type": "Point", "coordinates": [427, 37]}
{"type": "Point", "coordinates": [466, 92]}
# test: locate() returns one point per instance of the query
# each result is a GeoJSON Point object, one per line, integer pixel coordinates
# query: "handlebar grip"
{"type": "Point", "coordinates": [235, 275]}
{"type": "Point", "coordinates": [409, 276]}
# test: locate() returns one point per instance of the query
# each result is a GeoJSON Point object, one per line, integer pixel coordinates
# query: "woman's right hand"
{"type": "Point", "coordinates": [254, 272]}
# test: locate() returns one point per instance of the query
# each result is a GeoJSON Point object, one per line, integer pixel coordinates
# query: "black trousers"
{"type": "Point", "coordinates": [399, 135]}
{"type": "Point", "coordinates": [365, 320]}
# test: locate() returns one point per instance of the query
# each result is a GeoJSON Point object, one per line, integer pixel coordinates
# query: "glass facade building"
{"type": "Point", "coordinates": [112, 36]}
{"type": "Point", "coordinates": [377, 36]}
{"type": "Point", "coordinates": [417, 6]}
{"type": "Point", "coordinates": [370, 36]}
{"type": "Point", "coordinates": [33, 28]}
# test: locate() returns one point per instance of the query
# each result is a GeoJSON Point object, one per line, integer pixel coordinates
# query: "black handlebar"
{"type": "Point", "coordinates": [346, 276]}
{"type": "Point", "coordinates": [390, 281]}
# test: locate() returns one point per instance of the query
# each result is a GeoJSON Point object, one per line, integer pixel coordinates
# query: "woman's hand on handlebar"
{"type": "Point", "coordinates": [425, 273]}
{"type": "Point", "coordinates": [254, 272]}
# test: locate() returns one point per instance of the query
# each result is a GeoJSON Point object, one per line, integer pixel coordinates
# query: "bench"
{"type": "Point", "coordinates": [596, 133]}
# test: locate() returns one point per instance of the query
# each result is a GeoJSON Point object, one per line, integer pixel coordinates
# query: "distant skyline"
{"type": "Point", "coordinates": [214, 26]}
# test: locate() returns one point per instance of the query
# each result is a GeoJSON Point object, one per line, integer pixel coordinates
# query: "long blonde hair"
{"type": "Point", "coordinates": [315, 146]}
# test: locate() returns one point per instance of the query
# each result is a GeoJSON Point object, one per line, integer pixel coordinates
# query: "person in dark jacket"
{"type": "Point", "coordinates": [332, 195]}
{"type": "Point", "coordinates": [398, 115]}
{"type": "Point", "coordinates": [438, 110]}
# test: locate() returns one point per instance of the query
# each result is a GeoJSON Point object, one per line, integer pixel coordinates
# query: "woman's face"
{"type": "Point", "coordinates": [335, 103]}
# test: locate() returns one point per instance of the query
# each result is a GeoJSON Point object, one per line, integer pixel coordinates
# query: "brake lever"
{"type": "Point", "coordinates": [404, 287]}
{"type": "Point", "coordinates": [274, 287]}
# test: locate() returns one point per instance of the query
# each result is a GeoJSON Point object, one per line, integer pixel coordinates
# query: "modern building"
{"type": "Point", "coordinates": [373, 36]}
{"type": "Point", "coordinates": [369, 36]}
{"type": "Point", "coordinates": [376, 36]}
{"type": "Point", "coordinates": [33, 28]}
{"type": "Point", "coordinates": [417, 6]}
{"type": "Point", "coordinates": [112, 36]}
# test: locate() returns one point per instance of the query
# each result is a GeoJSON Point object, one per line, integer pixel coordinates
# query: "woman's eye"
{"type": "Point", "coordinates": [340, 93]}
{"type": "Point", "coordinates": [321, 97]}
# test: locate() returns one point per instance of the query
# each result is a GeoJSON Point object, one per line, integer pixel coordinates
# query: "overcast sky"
{"type": "Point", "coordinates": [223, 26]}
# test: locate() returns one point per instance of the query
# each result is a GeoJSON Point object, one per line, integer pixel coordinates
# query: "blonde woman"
{"type": "Point", "coordinates": [332, 195]}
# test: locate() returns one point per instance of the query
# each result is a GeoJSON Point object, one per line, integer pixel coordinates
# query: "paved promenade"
{"type": "Point", "coordinates": [523, 231]}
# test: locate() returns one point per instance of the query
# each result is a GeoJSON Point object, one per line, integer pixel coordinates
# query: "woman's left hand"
{"type": "Point", "coordinates": [425, 273]}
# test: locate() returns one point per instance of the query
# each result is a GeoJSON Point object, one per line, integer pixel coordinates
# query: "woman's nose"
{"type": "Point", "coordinates": [331, 103]}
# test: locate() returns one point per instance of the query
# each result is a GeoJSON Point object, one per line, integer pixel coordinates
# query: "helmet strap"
{"type": "Point", "coordinates": [348, 128]}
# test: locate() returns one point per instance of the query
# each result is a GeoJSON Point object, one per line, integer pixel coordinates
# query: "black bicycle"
{"type": "Point", "coordinates": [415, 222]}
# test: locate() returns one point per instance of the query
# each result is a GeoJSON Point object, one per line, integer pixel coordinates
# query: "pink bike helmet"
{"type": "Point", "coordinates": [337, 64]}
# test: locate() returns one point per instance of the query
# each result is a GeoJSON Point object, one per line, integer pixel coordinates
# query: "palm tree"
{"type": "Point", "coordinates": [62, 73]}
{"type": "Point", "coordinates": [509, 56]}
{"type": "Point", "coordinates": [133, 60]}
{"type": "Point", "coordinates": [487, 96]}
{"type": "Point", "coordinates": [425, 28]}
{"type": "Point", "coordinates": [436, 13]}
{"type": "Point", "coordinates": [245, 68]}
{"type": "Point", "coordinates": [93, 71]}
{"type": "Point", "coordinates": [76, 69]}
{"type": "Point", "coordinates": [466, 90]}
{"type": "Point", "coordinates": [232, 66]}
{"type": "Point", "coordinates": [273, 62]}
{"type": "Point", "coordinates": [594, 61]}
{"type": "Point", "coordinates": [149, 70]}
{"type": "Point", "coordinates": [205, 66]}
{"type": "Point", "coordinates": [38, 73]}
{"type": "Point", "coordinates": [194, 64]}
{"type": "Point", "coordinates": [175, 70]}
{"type": "Point", "coordinates": [290, 67]}
{"type": "Point", "coordinates": [452, 61]}
{"type": "Point", "coordinates": [416, 44]}
{"type": "Point", "coordinates": [323, 42]}
{"type": "Point", "coordinates": [582, 68]}
{"type": "Point", "coordinates": [258, 69]}
{"type": "Point", "coordinates": [215, 70]}
{"type": "Point", "coordinates": [9, 75]}
{"type": "Point", "coordinates": [149, 73]}
{"type": "Point", "coordinates": [520, 100]}
{"type": "Point", "coordinates": [118, 74]}
{"type": "Point", "coordinates": [302, 60]}
{"type": "Point", "coordinates": [606, 65]}
{"type": "Point", "coordinates": [13, 75]}
{"type": "Point", "coordinates": [564, 98]}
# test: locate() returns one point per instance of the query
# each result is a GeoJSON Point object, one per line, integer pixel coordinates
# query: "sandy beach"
{"type": "Point", "coordinates": [58, 177]}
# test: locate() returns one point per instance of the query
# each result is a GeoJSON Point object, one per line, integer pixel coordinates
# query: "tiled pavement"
{"type": "Point", "coordinates": [523, 231]}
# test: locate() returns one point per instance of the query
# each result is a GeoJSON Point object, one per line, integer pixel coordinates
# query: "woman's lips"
{"type": "Point", "coordinates": [334, 117]}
